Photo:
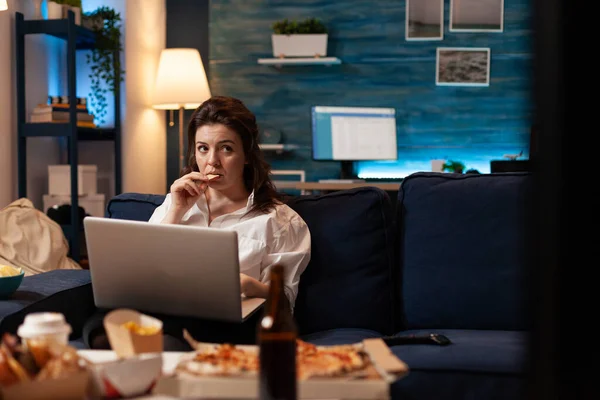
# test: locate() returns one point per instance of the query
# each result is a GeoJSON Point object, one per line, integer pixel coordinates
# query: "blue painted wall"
{"type": "Point", "coordinates": [379, 69]}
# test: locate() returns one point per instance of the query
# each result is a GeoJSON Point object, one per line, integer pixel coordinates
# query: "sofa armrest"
{"type": "Point", "coordinates": [66, 291]}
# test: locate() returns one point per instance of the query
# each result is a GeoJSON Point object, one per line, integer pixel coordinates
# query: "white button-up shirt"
{"type": "Point", "coordinates": [278, 237]}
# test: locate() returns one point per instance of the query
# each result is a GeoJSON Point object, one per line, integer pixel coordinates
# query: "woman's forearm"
{"type": "Point", "coordinates": [253, 288]}
{"type": "Point", "coordinates": [173, 217]}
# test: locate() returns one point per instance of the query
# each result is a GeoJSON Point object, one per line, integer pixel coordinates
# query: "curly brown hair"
{"type": "Point", "coordinates": [233, 114]}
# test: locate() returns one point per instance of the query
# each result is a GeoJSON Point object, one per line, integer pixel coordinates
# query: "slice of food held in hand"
{"type": "Point", "coordinates": [212, 177]}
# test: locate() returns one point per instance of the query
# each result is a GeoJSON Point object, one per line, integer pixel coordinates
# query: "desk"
{"type": "Point", "coordinates": [329, 186]}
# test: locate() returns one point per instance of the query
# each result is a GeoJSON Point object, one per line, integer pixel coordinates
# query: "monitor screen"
{"type": "Point", "coordinates": [353, 133]}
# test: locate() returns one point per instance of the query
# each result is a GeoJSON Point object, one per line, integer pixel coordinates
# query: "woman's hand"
{"type": "Point", "coordinates": [253, 288]}
{"type": "Point", "coordinates": [185, 191]}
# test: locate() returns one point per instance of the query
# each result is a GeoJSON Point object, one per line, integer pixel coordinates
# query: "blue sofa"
{"type": "Point", "coordinates": [447, 256]}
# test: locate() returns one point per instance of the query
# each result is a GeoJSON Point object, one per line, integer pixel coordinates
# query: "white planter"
{"type": "Point", "coordinates": [306, 45]}
{"type": "Point", "coordinates": [55, 10]}
{"type": "Point", "coordinates": [76, 11]}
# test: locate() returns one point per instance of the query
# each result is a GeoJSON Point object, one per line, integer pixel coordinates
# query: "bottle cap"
{"type": "Point", "coordinates": [43, 324]}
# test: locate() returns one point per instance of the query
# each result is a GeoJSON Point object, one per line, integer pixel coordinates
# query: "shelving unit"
{"type": "Point", "coordinates": [77, 38]}
{"type": "Point", "coordinates": [280, 62]}
{"type": "Point", "coordinates": [278, 148]}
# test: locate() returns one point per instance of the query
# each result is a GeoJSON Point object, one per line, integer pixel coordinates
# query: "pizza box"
{"type": "Point", "coordinates": [371, 383]}
{"type": "Point", "coordinates": [71, 387]}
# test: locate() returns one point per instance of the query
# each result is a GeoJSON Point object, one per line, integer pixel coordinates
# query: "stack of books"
{"type": "Point", "coordinates": [59, 112]}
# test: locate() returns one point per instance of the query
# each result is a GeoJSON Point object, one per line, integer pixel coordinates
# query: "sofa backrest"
{"type": "Point", "coordinates": [462, 250]}
{"type": "Point", "coordinates": [349, 280]}
{"type": "Point", "coordinates": [133, 206]}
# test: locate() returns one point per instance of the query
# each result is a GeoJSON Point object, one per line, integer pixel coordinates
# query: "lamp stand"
{"type": "Point", "coordinates": [181, 163]}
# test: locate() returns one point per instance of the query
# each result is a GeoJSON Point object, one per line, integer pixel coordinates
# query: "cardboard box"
{"type": "Point", "coordinates": [126, 343]}
{"type": "Point", "coordinates": [373, 383]}
{"type": "Point", "coordinates": [73, 387]}
{"type": "Point", "coordinates": [59, 179]}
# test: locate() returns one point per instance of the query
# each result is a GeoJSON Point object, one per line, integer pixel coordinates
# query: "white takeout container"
{"type": "Point", "coordinates": [126, 343]}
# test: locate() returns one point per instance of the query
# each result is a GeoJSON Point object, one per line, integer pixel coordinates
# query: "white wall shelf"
{"type": "Point", "coordinates": [278, 147]}
{"type": "Point", "coordinates": [297, 61]}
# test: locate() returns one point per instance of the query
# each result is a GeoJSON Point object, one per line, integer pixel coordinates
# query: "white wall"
{"type": "Point", "coordinates": [143, 129]}
{"type": "Point", "coordinates": [145, 142]}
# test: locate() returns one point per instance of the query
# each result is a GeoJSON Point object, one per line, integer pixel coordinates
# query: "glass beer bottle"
{"type": "Point", "coordinates": [277, 335]}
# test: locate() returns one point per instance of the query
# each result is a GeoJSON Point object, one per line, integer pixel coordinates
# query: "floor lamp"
{"type": "Point", "coordinates": [181, 84]}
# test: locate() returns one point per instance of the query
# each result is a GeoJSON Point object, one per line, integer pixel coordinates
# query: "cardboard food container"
{"type": "Point", "coordinates": [128, 377]}
{"type": "Point", "coordinates": [74, 386]}
{"type": "Point", "coordinates": [371, 383]}
{"type": "Point", "coordinates": [127, 343]}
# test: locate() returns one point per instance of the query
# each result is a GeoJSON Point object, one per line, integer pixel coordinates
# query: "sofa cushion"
{"type": "Point", "coordinates": [476, 365]}
{"type": "Point", "coordinates": [348, 282]}
{"type": "Point", "coordinates": [462, 250]}
{"type": "Point", "coordinates": [471, 350]}
{"type": "Point", "coordinates": [334, 337]}
{"type": "Point", "coordinates": [65, 291]}
{"type": "Point", "coordinates": [133, 206]}
{"type": "Point", "coordinates": [458, 385]}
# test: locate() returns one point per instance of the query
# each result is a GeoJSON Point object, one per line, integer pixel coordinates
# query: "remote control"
{"type": "Point", "coordinates": [431, 338]}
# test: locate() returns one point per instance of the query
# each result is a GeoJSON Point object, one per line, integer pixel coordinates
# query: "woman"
{"type": "Point", "coordinates": [226, 185]}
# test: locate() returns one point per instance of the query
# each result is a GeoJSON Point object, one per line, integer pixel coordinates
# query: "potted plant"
{"type": "Point", "coordinates": [59, 9]}
{"type": "Point", "coordinates": [106, 74]}
{"type": "Point", "coordinates": [306, 38]}
{"type": "Point", "coordinates": [456, 167]}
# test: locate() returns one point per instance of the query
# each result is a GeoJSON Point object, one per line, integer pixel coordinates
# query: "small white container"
{"type": "Point", "coordinates": [59, 179]}
{"type": "Point", "coordinates": [55, 10]}
{"type": "Point", "coordinates": [93, 204]}
{"type": "Point", "coordinates": [46, 326]}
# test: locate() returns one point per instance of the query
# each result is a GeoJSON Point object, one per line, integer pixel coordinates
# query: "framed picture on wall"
{"type": "Point", "coordinates": [476, 15]}
{"type": "Point", "coordinates": [424, 19]}
{"type": "Point", "coordinates": [462, 66]}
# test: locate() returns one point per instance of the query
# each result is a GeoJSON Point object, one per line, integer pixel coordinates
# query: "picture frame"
{"type": "Point", "coordinates": [424, 20]}
{"type": "Point", "coordinates": [462, 66]}
{"type": "Point", "coordinates": [476, 16]}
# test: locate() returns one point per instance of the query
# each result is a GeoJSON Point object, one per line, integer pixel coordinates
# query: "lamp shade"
{"type": "Point", "coordinates": [181, 80]}
{"type": "Point", "coordinates": [3, 5]}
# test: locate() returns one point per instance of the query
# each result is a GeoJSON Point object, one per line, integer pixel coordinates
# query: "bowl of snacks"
{"type": "Point", "coordinates": [10, 280]}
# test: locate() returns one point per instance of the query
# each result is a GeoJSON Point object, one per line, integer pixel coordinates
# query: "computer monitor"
{"type": "Point", "coordinates": [350, 134]}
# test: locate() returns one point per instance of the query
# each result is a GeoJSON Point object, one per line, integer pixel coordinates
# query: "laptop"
{"type": "Point", "coordinates": [174, 270]}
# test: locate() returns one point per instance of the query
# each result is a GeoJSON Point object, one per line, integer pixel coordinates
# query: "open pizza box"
{"type": "Point", "coordinates": [372, 382]}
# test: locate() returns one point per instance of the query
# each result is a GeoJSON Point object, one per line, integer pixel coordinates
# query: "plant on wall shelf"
{"type": "Point", "coordinates": [106, 73]}
{"type": "Point", "coordinates": [307, 26]}
{"type": "Point", "coordinates": [306, 38]}
{"type": "Point", "coordinates": [453, 166]}
{"type": "Point", "coordinates": [72, 3]}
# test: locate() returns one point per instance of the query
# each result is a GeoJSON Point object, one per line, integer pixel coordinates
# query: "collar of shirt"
{"type": "Point", "coordinates": [203, 205]}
